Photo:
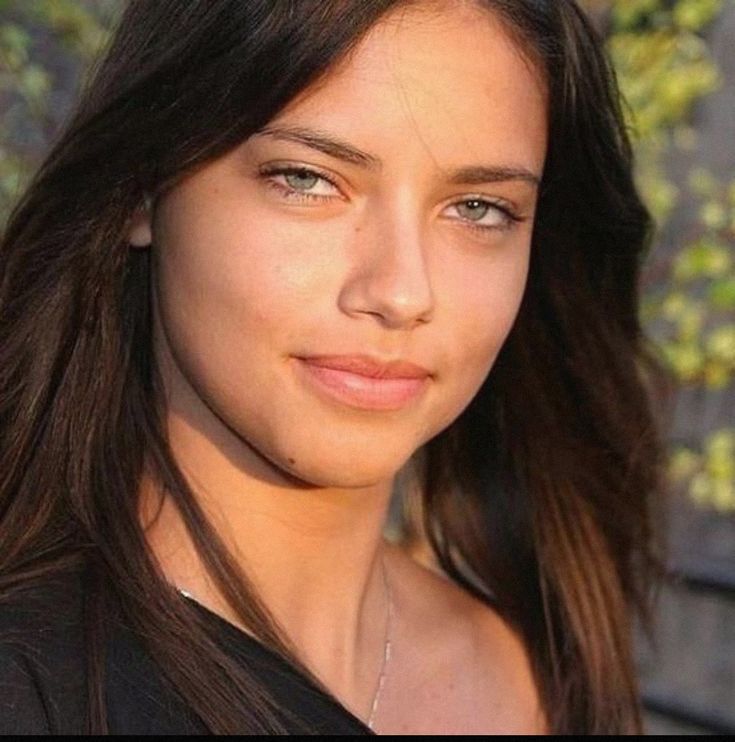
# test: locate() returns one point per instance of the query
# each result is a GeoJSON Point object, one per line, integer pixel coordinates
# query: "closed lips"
{"type": "Point", "coordinates": [370, 367]}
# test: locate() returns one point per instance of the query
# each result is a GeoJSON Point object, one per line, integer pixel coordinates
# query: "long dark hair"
{"type": "Point", "coordinates": [536, 499]}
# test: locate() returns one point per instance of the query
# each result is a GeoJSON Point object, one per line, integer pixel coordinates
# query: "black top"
{"type": "Point", "coordinates": [43, 673]}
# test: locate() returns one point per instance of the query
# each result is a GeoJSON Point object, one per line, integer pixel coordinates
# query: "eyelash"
{"type": "Point", "coordinates": [510, 217]}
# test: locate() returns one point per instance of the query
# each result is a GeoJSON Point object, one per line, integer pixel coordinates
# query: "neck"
{"type": "Point", "coordinates": [312, 553]}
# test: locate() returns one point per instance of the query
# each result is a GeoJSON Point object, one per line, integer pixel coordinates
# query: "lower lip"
{"type": "Point", "coordinates": [363, 392]}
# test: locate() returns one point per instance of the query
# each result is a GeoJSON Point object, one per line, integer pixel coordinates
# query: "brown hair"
{"type": "Point", "coordinates": [536, 499]}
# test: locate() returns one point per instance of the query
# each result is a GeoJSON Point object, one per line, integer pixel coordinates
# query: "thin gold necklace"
{"type": "Point", "coordinates": [386, 645]}
{"type": "Point", "coordinates": [386, 648]}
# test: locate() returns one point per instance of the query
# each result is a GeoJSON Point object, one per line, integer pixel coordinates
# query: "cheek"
{"type": "Point", "coordinates": [481, 317]}
{"type": "Point", "coordinates": [491, 306]}
{"type": "Point", "coordinates": [229, 276]}
{"type": "Point", "coordinates": [237, 294]}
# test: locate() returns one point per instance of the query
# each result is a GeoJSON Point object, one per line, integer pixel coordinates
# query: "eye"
{"type": "Point", "coordinates": [483, 214]}
{"type": "Point", "coordinates": [300, 183]}
{"type": "Point", "coordinates": [302, 179]}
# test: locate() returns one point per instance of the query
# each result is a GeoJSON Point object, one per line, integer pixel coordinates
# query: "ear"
{"type": "Point", "coordinates": [140, 232]}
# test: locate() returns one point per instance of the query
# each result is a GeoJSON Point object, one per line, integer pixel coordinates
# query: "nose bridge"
{"type": "Point", "coordinates": [391, 274]}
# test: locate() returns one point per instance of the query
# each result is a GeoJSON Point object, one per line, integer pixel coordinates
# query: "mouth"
{"type": "Point", "coordinates": [364, 383]}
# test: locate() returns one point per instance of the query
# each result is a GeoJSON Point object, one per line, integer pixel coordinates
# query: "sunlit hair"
{"type": "Point", "coordinates": [536, 499]}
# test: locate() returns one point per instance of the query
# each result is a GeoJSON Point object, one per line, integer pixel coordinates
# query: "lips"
{"type": "Point", "coordinates": [364, 382]}
{"type": "Point", "coordinates": [370, 367]}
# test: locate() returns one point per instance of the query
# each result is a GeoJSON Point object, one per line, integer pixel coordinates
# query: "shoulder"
{"type": "Point", "coordinates": [41, 660]}
{"type": "Point", "coordinates": [477, 676]}
{"type": "Point", "coordinates": [503, 678]}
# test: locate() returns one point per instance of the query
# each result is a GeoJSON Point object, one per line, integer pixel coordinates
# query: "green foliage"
{"type": "Point", "coordinates": [80, 26]}
{"type": "Point", "coordinates": [685, 15]}
{"type": "Point", "coordinates": [664, 72]}
{"type": "Point", "coordinates": [77, 29]}
{"type": "Point", "coordinates": [709, 473]}
{"type": "Point", "coordinates": [696, 315]}
{"type": "Point", "coordinates": [665, 69]}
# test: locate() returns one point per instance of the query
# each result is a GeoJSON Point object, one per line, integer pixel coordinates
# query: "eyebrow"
{"type": "Point", "coordinates": [471, 175]}
{"type": "Point", "coordinates": [320, 141]}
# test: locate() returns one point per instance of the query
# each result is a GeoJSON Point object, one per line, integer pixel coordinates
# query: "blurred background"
{"type": "Point", "coordinates": [675, 61]}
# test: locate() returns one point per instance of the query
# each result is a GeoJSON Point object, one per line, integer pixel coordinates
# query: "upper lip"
{"type": "Point", "coordinates": [373, 367]}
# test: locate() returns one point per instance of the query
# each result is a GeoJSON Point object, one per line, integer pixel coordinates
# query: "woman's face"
{"type": "Point", "coordinates": [407, 241]}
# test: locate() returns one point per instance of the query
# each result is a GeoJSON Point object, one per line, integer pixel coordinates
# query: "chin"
{"type": "Point", "coordinates": [352, 472]}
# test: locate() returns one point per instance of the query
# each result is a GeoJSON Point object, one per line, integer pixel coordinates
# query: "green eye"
{"type": "Point", "coordinates": [482, 214]}
{"type": "Point", "coordinates": [300, 183]}
{"type": "Point", "coordinates": [302, 179]}
{"type": "Point", "coordinates": [473, 209]}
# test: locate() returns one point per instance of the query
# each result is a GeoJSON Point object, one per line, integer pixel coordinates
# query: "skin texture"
{"type": "Point", "coordinates": [388, 264]}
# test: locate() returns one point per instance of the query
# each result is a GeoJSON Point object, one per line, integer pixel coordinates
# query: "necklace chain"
{"type": "Point", "coordinates": [386, 647]}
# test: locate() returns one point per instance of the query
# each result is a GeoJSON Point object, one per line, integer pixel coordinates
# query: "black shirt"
{"type": "Point", "coordinates": [43, 673]}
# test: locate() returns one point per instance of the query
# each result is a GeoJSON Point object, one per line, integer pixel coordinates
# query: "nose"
{"type": "Point", "coordinates": [390, 274]}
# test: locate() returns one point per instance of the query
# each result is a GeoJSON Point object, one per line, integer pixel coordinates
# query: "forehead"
{"type": "Point", "coordinates": [448, 83]}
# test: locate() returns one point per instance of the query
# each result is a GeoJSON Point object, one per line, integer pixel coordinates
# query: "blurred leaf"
{"type": "Point", "coordinates": [683, 463]}
{"type": "Point", "coordinates": [722, 293]}
{"type": "Point", "coordinates": [14, 43]}
{"type": "Point", "coordinates": [712, 471]}
{"type": "Point", "coordinates": [721, 343]}
{"type": "Point", "coordinates": [704, 258]}
{"type": "Point", "coordinates": [713, 215]}
{"type": "Point", "coordinates": [34, 82]}
{"type": "Point", "coordinates": [692, 15]}
{"type": "Point", "coordinates": [702, 182]}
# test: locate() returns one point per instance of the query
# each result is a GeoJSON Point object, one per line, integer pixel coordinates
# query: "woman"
{"type": "Point", "coordinates": [284, 256]}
